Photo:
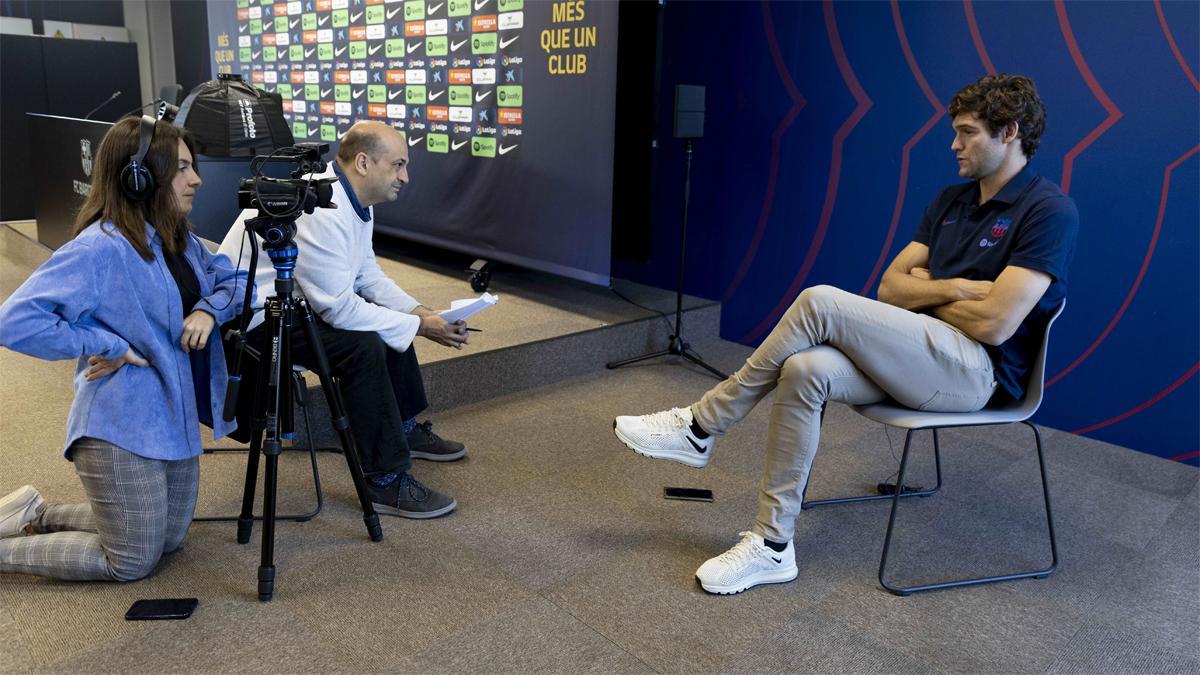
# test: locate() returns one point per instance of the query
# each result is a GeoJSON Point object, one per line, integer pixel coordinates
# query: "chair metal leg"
{"type": "Point", "coordinates": [1037, 574]}
{"type": "Point", "coordinates": [937, 462]}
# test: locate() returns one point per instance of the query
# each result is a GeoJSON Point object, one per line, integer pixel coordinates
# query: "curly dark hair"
{"type": "Point", "coordinates": [1000, 100]}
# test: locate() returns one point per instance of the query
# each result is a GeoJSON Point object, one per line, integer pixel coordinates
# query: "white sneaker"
{"type": "Point", "coordinates": [18, 509]}
{"type": "Point", "coordinates": [747, 565]}
{"type": "Point", "coordinates": [664, 435]}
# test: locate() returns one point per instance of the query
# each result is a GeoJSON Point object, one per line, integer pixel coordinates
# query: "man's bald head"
{"type": "Point", "coordinates": [367, 137]}
{"type": "Point", "coordinates": [374, 158]}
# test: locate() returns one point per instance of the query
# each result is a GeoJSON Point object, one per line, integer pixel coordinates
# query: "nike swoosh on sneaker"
{"type": "Point", "coordinates": [778, 560]}
{"type": "Point", "coordinates": [505, 43]}
{"type": "Point", "coordinates": [700, 449]}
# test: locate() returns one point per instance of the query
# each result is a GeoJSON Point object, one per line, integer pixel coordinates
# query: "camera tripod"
{"type": "Point", "coordinates": [272, 420]}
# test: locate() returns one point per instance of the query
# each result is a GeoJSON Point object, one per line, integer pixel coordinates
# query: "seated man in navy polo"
{"type": "Point", "coordinates": [366, 322]}
{"type": "Point", "coordinates": [957, 324]}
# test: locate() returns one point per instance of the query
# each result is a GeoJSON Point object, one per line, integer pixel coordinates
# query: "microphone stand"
{"type": "Point", "coordinates": [677, 346]}
{"type": "Point", "coordinates": [108, 100]}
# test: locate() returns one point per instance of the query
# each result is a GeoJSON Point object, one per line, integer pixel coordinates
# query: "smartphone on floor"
{"type": "Point", "coordinates": [688, 494]}
{"type": "Point", "coordinates": [161, 609]}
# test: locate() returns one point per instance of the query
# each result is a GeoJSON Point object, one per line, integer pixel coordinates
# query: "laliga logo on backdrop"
{"type": "Point", "coordinates": [85, 156]}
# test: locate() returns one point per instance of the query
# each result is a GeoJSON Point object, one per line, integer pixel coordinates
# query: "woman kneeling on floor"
{"type": "Point", "coordinates": [134, 297]}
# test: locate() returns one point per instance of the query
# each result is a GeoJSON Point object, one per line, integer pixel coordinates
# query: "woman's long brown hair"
{"type": "Point", "coordinates": [107, 202]}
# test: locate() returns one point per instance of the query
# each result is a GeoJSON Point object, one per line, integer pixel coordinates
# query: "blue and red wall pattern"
{"type": "Point", "coordinates": [826, 137]}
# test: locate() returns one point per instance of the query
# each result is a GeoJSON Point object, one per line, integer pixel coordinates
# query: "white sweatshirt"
{"type": "Point", "coordinates": [336, 272]}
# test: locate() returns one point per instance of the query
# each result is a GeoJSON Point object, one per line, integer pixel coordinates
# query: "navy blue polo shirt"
{"type": "Point", "coordinates": [1029, 223]}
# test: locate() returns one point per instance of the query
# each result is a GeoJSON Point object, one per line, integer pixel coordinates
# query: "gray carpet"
{"type": "Point", "coordinates": [563, 556]}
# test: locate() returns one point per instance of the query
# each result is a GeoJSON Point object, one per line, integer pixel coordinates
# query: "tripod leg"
{"type": "Point", "coordinates": [700, 362]}
{"type": "Point", "coordinates": [258, 416]}
{"type": "Point", "coordinates": [341, 423]}
{"type": "Point", "coordinates": [612, 365]}
{"type": "Point", "coordinates": [276, 394]}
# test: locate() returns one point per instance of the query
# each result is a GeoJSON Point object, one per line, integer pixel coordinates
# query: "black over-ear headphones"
{"type": "Point", "coordinates": [137, 181]}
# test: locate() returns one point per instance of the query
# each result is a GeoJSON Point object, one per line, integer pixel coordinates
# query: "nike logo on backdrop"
{"type": "Point", "coordinates": [413, 48]}
{"type": "Point", "coordinates": [479, 97]}
{"type": "Point", "coordinates": [454, 46]}
{"type": "Point", "coordinates": [354, 17]}
{"type": "Point", "coordinates": [255, 54]}
{"type": "Point", "coordinates": [374, 49]}
{"type": "Point", "coordinates": [480, 3]}
{"type": "Point", "coordinates": [340, 51]}
{"type": "Point", "coordinates": [358, 92]}
{"type": "Point", "coordinates": [430, 9]}
{"type": "Point", "coordinates": [325, 92]}
{"type": "Point", "coordinates": [323, 20]}
{"type": "Point", "coordinates": [393, 13]}
{"type": "Point", "coordinates": [293, 22]}
{"type": "Point", "coordinates": [414, 141]}
{"type": "Point", "coordinates": [457, 144]}
{"type": "Point", "coordinates": [433, 96]}
{"type": "Point", "coordinates": [308, 52]}
{"type": "Point", "coordinates": [393, 94]}
{"type": "Point", "coordinates": [509, 41]}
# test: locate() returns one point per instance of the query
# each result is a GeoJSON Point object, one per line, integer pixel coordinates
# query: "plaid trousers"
{"type": "Point", "coordinates": [137, 509]}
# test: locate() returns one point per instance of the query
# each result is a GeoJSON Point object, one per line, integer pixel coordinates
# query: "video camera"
{"type": "Point", "coordinates": [280, 201]}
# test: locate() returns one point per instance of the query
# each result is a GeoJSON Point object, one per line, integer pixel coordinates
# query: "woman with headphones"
{"type": "Point", "coordinates": [134, 297]}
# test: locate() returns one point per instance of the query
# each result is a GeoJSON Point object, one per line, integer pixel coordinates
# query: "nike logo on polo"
{"type": "Point", "coordinates": [479, 97]}
{"type": "Point", "coordinates": [503, 150]}
{"type": "Point", "coordinates": [393, 12]}
{"type": "Point", "coordinates": [699, 448]}
{"type": "Point", "coordinates": [413, 48]}
{"type": "Point", "coordinates": [433, 95]}
{"type": "Point", "coordinates": [325, 92]}
{"type": "Point", "coordinates": [950, 221]}
{"type": "Point", "coordinates": [509, 41]}
{"type": "Point", "coordinates": [374, 49]}
{"type": "Point", "coordinates": [457, 144]}
{"type": "Point", "coordinates": [414, 141]}
{"type": "Point", "coordinates": [454, 46]}
{"type": "Point", "coordinates": [354, 17]}
{"type": "Point", "coordinates": [393, 94]}
{"type": "Point", "coordinates": [430, 9]}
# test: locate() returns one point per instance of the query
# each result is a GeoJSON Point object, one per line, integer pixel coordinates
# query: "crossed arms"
{"type": "Point", "coordinates": [989, 312]}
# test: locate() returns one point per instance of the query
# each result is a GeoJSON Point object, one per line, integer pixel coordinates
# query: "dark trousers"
{"type": "Point", "coordinates": [380, 387]}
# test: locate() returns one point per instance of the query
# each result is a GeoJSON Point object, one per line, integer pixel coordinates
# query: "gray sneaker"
{"type": "Point", "coordinates": [17, 510]}
{"type": "Point", "coordinates": [407, 498]}
{"type": "Point", "coordinates": [424, 444]}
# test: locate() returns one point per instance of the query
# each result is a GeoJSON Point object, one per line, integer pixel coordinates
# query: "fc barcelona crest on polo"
{"type": "Point", "coordinates": [1001, 227]}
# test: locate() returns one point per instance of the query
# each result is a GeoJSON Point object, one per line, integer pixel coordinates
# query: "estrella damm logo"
{"type": "Point", "coordinates": [509, 96]}
{"type": "Point", "coordinates": [1001, 227]}
{"type": "Point", "coordinates": [437, 143]}
{"type": "Point", "coordinates": [482, 146]}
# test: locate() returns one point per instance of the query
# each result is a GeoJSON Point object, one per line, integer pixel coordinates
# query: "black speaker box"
{"type": "Point", "coordinates": [689, 111]}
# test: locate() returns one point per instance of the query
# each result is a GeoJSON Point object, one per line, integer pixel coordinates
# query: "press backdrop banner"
{"type": "Point", "coordinates": [507, 107]}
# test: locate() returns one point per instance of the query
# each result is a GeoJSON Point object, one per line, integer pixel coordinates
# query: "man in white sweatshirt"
{"type": "Point", "coordinates": [366, 322]}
